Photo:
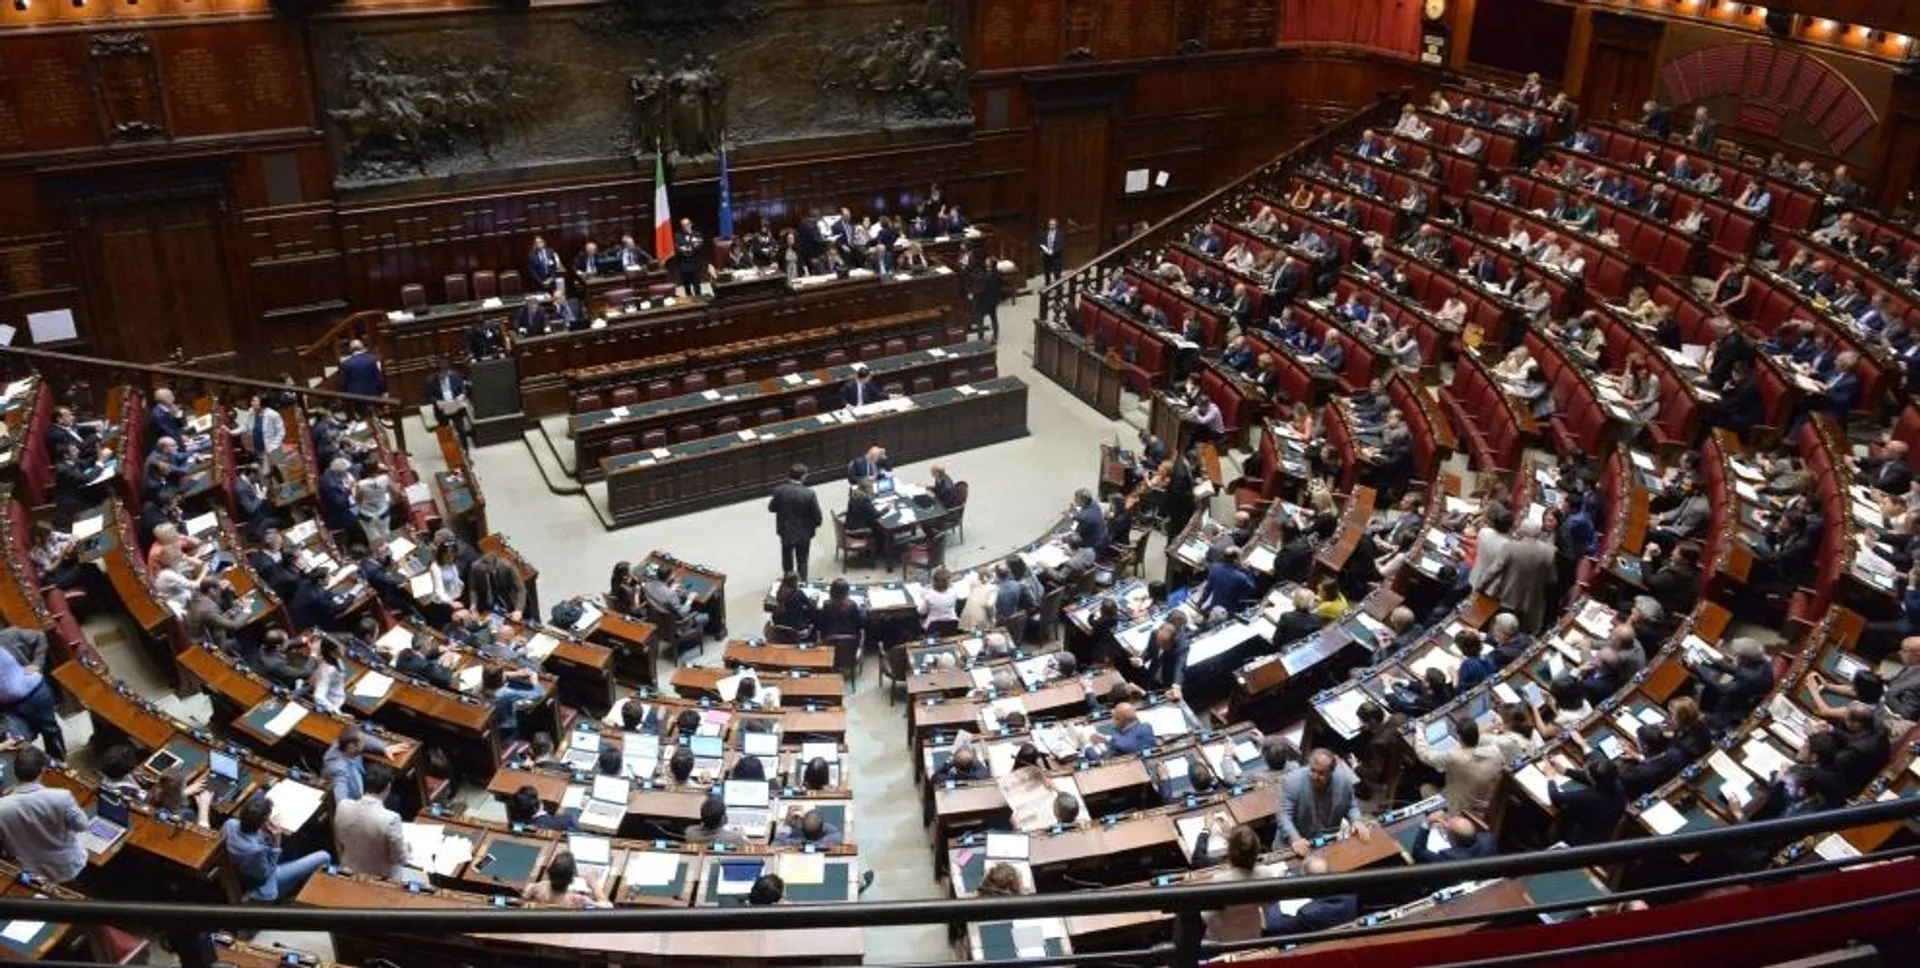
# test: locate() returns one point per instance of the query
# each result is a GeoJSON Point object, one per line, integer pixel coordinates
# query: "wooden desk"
{"type": "Point", "coordinates": [595, 432]}
{"type": "Point", "coordinates": [777, 658]}
{"type": "Point", "coordinates": [1094, 378]}
{"type": "Point", "coordinates": [718, 470]}
{"type": "Point", "coordinates": [824, 689]}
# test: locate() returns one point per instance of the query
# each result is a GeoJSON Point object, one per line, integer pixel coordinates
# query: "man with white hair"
{"type": "Point", "coordinates": [1509, 643]}
{"type": "Point", "coordinates": [336, 495]}
{"type": "Point", "coordinates": [164, 418]}
{"type": "Point", "coordinates": [1318, 914]}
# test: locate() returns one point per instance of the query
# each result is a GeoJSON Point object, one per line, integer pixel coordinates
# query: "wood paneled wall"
{"type": "Point", "coordinates": [130, 147]}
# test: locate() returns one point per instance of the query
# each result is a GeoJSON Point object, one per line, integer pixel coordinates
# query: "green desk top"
{"type": "Point", "coordinates": [29, 947]}
{"type": "Point", "coordinates": [191, 756]}
{"type": "Point", "coordinates": [1557, 886]}
{"type": "Point", "coordinates": [513, 861]}
{"type": "Point", "coordinates": [654, 409]}
{"type": "Point", "coordinates": [996, 942]}
{"type": "Point", "coordinates": [787, 428]}
{"type": "Point", "coordinates": [757, 864]}
{"type": "Point", "coordinates": [832, 886]}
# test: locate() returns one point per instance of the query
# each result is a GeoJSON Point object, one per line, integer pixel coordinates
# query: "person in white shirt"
{"type": "Point", "coordinates": [1518, 239]}
{"type": "Point", "coordinates": [328, 682]}
{"type": "Point", "coordinates": [373, 501]}
{"type": "Point", "coordinates": [939, 605]}
{"type": "Point", "coordinates": [448, 586]}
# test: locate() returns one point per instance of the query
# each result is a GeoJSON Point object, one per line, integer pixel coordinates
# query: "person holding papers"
{"type": "Point", "coordinates": [564, 886]}
{"type": "Point", "coordinates": [1592, 805]}
{"type": "Point", "coordinates": [1130, 734]}
{"type": "Point", "coordinates": [1732, 689]}
{"type": "Point", "coordinates": [252, 841]}
{"type": "Point", "coordinates": [1452, 837]}
{"type": "Point", "coordinates": [1316, 801]}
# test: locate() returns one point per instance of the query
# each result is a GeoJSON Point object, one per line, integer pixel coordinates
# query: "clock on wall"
{"type": "Point", "coordinates": [1435, 9]}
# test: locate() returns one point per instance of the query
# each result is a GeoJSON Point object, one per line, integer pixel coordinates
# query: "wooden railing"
{"type": "Point", "coordinates": [1058, 300]}
{"type": "Point", "coordinates": [71, 373]}
{"type": "Point", "coordinates": [331, 347]}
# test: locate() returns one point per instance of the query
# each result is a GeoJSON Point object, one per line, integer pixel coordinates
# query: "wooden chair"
{"type": "Point", "coordinates": [959, 510]}
{"type": "Point", "coordinates": [413, 296]}
{"type": "Point", "coordinates": [683, 635]}
{"type": "Point", "coordinates": [848, 545]}
{"type": "Point", "coordinates": [778, 634]}
{"type": "Point", "coordinates": [928, 551]}
{"type": "Point", "coordinates": [1045, 627]}
{"type": "Point", "coordinates": [894, 671]}
{"type": "Point", "coordinates": [846, 657]}
{"type": "Point", "coordinates": [1015, 626]}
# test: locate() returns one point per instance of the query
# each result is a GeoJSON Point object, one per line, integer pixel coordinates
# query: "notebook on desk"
{"type": "Point", "coordinates": [223, 775]}
{"type": "Point", "coordinates": [108, 824]}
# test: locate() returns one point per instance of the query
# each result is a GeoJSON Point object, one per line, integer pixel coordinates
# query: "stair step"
{"type": "Point", "coordinates": [551, 473]}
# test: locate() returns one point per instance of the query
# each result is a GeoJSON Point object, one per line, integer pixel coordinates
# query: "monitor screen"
{"type": "Point", "coordinates": [223, 765]}
{"type": "Point", "coordinates": [1439, 729]}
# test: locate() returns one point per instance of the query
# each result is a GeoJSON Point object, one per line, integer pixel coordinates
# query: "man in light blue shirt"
{"type": "Point", "coordinates": [252, 840]}
{"type": "Point", "coordinates": [27, 703]}
{"type": "Point", "coordinates": [343, 764]}
{"type": "Point", "coordinates": [41, 827]}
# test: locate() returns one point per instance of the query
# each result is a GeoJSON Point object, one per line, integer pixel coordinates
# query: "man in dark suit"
{"type": "Point", "coordinates": [447, 389]}
{"type": "Point", "coordinates": [632, 257]}
{"type": "Point", "coordinates": [164, 418]}
{"type": "Point", "coordinates": [1655, 118]}
{"type": "Point", "coordinates": [1287, 280]}
{"type": "Point", "coordinates": [869, 466]}
{"type": "Point", "coordinates": [986, 301]}
{"type": "Point", "coordinates": [1088, 520]}
{"type": "Point", "coordinates": [686, 256]}
{"type": "Point", "coordinates": [863, 389]}
{"type": "Point", "coordinates": [361, 372]}
{"type": "Point", "coordinates": [1465, 841]}
{"type": "Point", "coordinates": [587, 263]}
{"type": "Point", "coordinates": [484, 341]}
{"type": "Point", "coordinates": [66, 429]}
{"type": "Point", "coordinates": [1318, 914]}
{"type": "Point", "coordinates": [543, 267]}
{"type": "Point", "coordinates": [1053, 249]}
{"type": "Point", "coordinates": [1889, 470]}
{"type": "Point", "coordinates": [861, 514]}
{"type": "Point", "coordinates": [796, 517]}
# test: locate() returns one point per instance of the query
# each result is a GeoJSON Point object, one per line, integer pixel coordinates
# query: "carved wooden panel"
{"type": "Point", "coordinates": [126, 86]}
{"type": "Point", "coordinates": [45, 103]}
{"type": "Point", "coordinates": [234, 77]}
{"type": "Point", "coordinates": [1079, 28]}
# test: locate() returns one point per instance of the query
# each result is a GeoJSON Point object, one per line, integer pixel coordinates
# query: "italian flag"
{"type": "Point", "coordinates": [662, 218]}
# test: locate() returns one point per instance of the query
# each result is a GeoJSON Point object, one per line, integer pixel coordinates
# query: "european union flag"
{"type": "Point", "coordinates": [726, 197]}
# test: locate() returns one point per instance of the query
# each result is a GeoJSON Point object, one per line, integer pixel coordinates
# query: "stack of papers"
{"type": "Point", "coordinates": [1662, 818]}
{"type": "Point", "coordinates": [285, 720]}
{"type": "Point", "coordinates": [651, 869]}
{"type": "Point", "coordinates": [293, 804]}
{"type": "Point", "coordinates": [372, 685]}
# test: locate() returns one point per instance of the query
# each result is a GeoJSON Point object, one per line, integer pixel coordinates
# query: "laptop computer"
{"type": "Point", "coordinates": [223, 775]}
{"type": "Point", "coordinates": [747, 805]}
{"type": "Point", "coordinates": [108, 824]}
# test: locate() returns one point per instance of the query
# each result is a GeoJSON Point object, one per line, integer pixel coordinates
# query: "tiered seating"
{"type": "Point", "coordinates": [1794, 205]}
{"type": "Point", "coordinates": [1435, 339]}
{"type": "Point", "coordinates": [1773, 300]}
{"type": "Point", "coordinates": [1608, 270]}
{"type": "Point", "coordinates": [1493, 425]}
{"type": "Point", "coordinates": [1902, 302]}
{"type": "Point", "coordinates": [1732, 232]}
{"type": "Point", "coordinates": [1650, 241]}
{"type": "Point", "coordinates": [1369, 214]}
{"type": "Point", "coordinates": [1502, 148]}
{"type": "Point", "coordinates": [1580, 422]}
{"type": "Point", "coordinates": [1464, 243]}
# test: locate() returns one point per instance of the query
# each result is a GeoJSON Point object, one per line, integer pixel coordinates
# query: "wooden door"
{"type": "Point", "coordinates": [157, 277]}
{"type": "Point", "coordinates": [1619, 74]}
{"type": "Point", "coordinates": [1072, 183]}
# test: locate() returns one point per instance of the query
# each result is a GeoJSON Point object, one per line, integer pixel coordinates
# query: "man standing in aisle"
{"type": "Point", "coordinates": [1053, 250]}
{"type": "Point", "coordinates": [796, 517]}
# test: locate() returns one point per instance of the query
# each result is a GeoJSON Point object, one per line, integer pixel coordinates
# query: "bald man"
{"type": "Point", "coordinates": [1315, 801]}
{"type": "Point", "coordinates": [1318, 914]}
{"type": "Point", "coordinates": [1130, 735]}
{"type": "Point", "coordinates": [1465, 840]}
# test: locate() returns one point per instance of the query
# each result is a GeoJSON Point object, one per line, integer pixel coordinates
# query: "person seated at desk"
{"type": "Point", "coordinates": [608, 761]}
{"type": "Point", "coordinates": [680, 765]}
{"type": "Point", "coordinates": [870, 466]}
{"type": "Point", "coordinates": [1731, 690]}
{"type": "Point", "coordinates": [713, 827]}
{"type": "Point", "coordinates": [421, 659]}
{"type": "Point", "coordinates": [940, 605]}
{"type": "Point", "coordinates": [1080, 563]}
{"type": "Point", "coordinates": [40, 825]}
{"type": "Point", "coordinates": [1229, 584]}
{"type": "Point", "coordinates": [564, 886]}
{"type": "Point", "coordinates": [1318, 914]}
{"type": "Point", "coordinates": [1465, 840]}
{"type": "Point", "coordinates": [1130, 735]}
{"type": "Point", "coordinates": [793, 607]}
{"type": "Point", "coordinates": [210, 615]}
{"type": "Point", "coordinates": [252, 842]}
{"type": "Point", "coordinates": [343, 765]}
{"type": "Point", "coordinates": [277, 665]}
{"type": "Point", "coordinates": [1164, 666]}
{"type": "Point", "coordinates": [525, 809]}
{"type": "Point", "coordinates": [1864, 747]}
{"type": "Point", "coordinates": [944, 489]}
{"type": "Point", "coordinates": [507, 689]}
{"type": "Point", "coordinates": [366, 833]}
{"type": "Point", "coordinates": [962, 765]}
{"type": "Point", "coordinates": [670, 599]}
{"type": "Point", "coordinates": [817, 775]}
{"type": "Point", "coordinates": [116, 769]}
{"type": "Point", "coordinates": [539, 754]}
{"type": "Point", "coordinates": [1239, 355]}
{"type": "Point", "coordinates": [1001, 880]}
{"type": "Point", "coordinates": [807, 828]}
{"type": "Point", "coordinates": [839, 614]}
{"type": "Point", "coordinates": [75, 484]}
{"type": "Point", "coordinates": [863, 389]}
{"type": "Point", "coordinates": [768, 890]}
